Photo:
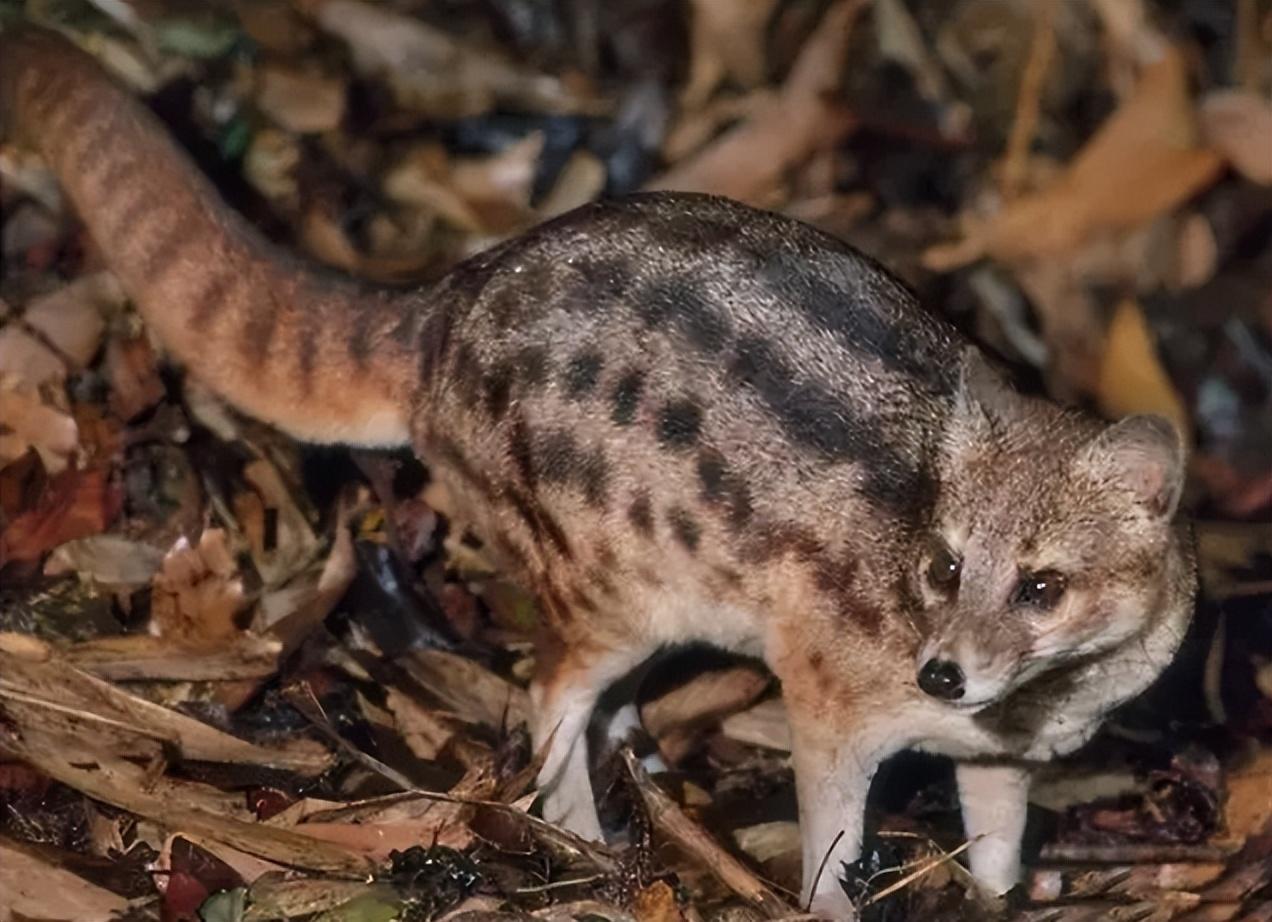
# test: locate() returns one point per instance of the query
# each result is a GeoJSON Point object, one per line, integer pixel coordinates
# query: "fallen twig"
{"type": "Point", "coordinates": [671, 821]}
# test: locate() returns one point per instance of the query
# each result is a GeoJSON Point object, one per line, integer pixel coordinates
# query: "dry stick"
{"type": "Point", "coordinates": [1129, 853]}
{"type": "Point", "coordinates": [545, 832]}
{"type": "Point", "coordinates": [1025, 120]}
{"type": "Point", "coordinates": [926, 868]}
{"type": "Point", "coordinates": [667, 816]}
{"type": "Point", "coordinates": [821, 869]}
{"type": "Point", "coordinates": [1212, 677]}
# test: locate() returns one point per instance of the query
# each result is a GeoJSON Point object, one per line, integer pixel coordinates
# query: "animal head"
{"type": "Point", "coordinates": [1051, 540]}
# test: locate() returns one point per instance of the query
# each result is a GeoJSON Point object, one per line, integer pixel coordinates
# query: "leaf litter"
{"type": "Point", "coordinates": [245, 680]}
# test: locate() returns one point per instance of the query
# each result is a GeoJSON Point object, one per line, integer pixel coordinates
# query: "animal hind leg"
{"type": "Point", "coordinates": [564, 695]}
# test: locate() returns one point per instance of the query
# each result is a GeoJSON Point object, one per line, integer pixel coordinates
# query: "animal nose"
{"type": "Point", "coordinates": [942, 678]}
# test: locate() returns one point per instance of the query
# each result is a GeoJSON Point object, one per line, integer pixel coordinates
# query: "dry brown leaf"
{"type": "Point", "coordinates": [1238, 124]}
{"type": "Point", "coordinates": [472, 691]}
{"type": "Point", "coordinates": [765, 842]}
{"type": "Point", "coordinates": [748, 161]}
{"type": "Point", "coordinates": [726, 42]}
{"type": "Point", "coordinates": [433, 72]}
{"type": "Point", "coordinates": [291, 544]}
{"type": "Point", "coordinates": [56, 690]}
{"type": "Point", "coordinates": [498, 187]}
{"type": "Point", "coordinates": [133, 371]}
{"type": "Point", "coordinates": [140, 657]}
{"type": "Point", "coordinates": [58, 332]}
{"type": "Point", "coordinates": [675, 717]}
{"type": "Point", "coordinates": [29, 423]}
{"type": "Point", "coordinates": [110, 559]}
{"type": "Point", "coordinates": [71, 319]}
{"type": "Point", "coordinates": [376, 841]}
{"type": "Point", "coordinates": [74, 504]}
{"type": "Point", "coordinates": [248, 867]}
{"type": "Point", "coordinates": [120, 783]}
{"type": "Point", "coordinates": [1141, 163]}
{"type": "Point", "coordinates": [299, 101]}
{"type": "Point", "coordinates": [765, 725]}
{"type": "Point", "coordinates": [421, 178]}
{"type": "Point", "coordinates": [197, 594]}
{"type": "Point", "coordinates": [270, 166]}
{"type": "Point", "coordinates": [289, 613]}
{"type": "Point", "coordinates": [1132, 379]}
{"type": "Point", "coordinates": [32, 887]}
{"type": "Point", "coordinates": [1197, 252]}
{"type": "Point", "coordinates": [423, 731]}
{"type": "Point", "coordinates": [1248, 809]}
{"type": "Point", "coordinates": [657, 903]}
{"type": "Point", "coordinates": [580, 180]}
{"type": "Point", "coordinates": [279, 896]}
{"type": "Point", "coordinates": [23, 358]}
{"type": "Point", "coordinates": [275, 25]}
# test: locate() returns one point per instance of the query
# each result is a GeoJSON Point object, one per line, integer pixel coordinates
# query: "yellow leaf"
{"type": "Point", "coordinates": [1142, 162]}
{"type": "Point", "coordinates": [1132, 379]}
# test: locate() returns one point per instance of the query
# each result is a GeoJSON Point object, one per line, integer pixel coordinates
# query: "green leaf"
{"type": "Point", "coordinates": [226, 906]}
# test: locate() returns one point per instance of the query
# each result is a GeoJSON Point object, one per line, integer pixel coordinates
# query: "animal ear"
{"type": "Point", "coordinates": [1145, 455]}
{"type": "Point", "coordinates": [985, 397]}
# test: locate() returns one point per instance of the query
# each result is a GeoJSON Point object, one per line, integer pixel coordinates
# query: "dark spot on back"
{"type": "Point", "coordinates": [504, 306]}
{"type": "Point", "coordinates": [626, 397]}
{"type": "Point", "coordinates": [722, 487]}
{"type": "Point", "coordinates": [582, 372]}
{"type": "Point", "coordinates": [681, 304]}
{"type": "Point", "coordinates": [602, 281]}
{"type": "Point", "coordinates": [556, 456]}
{"type": "Point", "coordinates": [532, 366]}
{"type": "Point", "coordinates": [594, 478]}
{"type": "Point", "coordinates": [817, 419]}
{"type": "Point", "coordinates": [519, 448]}
{"type": "Point", "coordinates": [540, 522]}
{"type": "Point", "coordinates": [641, 514]}
{"type": "Point", "coordinates": [466, 371]}
{"type": "Point", "coordinates": [711, 472]}
{"type": "Point", "coordinates": [869, 311]}
{"type": "Point", "coordinates": [496, 388]}
{"type": "Point", "coordinates": [679, 423]}
{"type": "Point", "coordinates": [683, 526]}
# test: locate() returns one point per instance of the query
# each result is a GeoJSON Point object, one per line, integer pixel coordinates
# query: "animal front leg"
{"type": "Point", "coordinates": [994, 797]}
{"type": "Point", "coordinates": [832, 782]}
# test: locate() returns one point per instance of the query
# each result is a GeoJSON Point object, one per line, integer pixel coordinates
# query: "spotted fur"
{"type": "Point", "coordinates": [677, 418]}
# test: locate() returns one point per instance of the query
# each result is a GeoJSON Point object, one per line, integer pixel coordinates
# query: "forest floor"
{"type": "Point", "coordinates": [242, 678]}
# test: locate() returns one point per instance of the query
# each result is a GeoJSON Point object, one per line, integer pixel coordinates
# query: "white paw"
{"type": "Point", "coordinates": [833, 904]}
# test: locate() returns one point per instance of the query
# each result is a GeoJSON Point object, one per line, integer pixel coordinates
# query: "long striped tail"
{"type": "Point", "coordinates": [319, 356]}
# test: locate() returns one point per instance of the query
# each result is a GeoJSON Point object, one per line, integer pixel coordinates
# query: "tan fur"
{"type": "Point", "coordinates": [677, 419]}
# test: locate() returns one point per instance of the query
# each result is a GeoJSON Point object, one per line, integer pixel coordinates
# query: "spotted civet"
{"type": "Point", "coordinates": [676, 419]}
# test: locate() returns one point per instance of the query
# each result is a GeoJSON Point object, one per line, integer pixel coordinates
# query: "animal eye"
{"type": "Point", "coordinates": [1039, 590]}
{"type": "Point", "coordinates": [944, 569]}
